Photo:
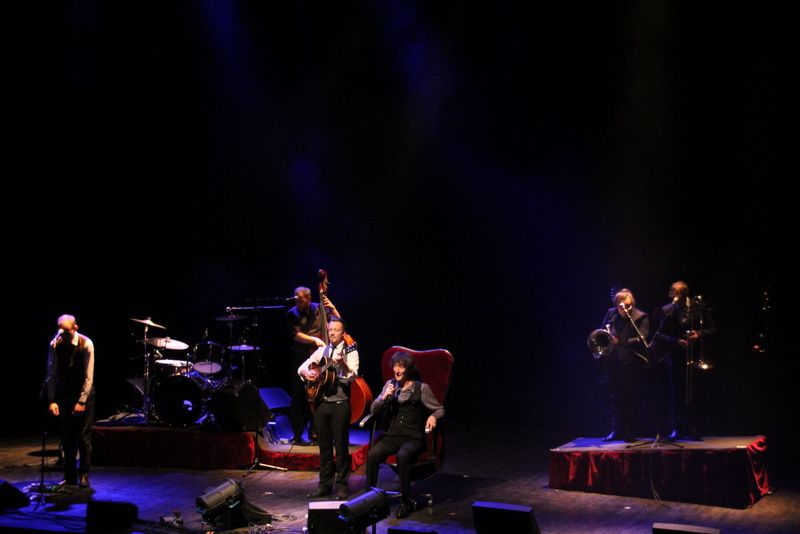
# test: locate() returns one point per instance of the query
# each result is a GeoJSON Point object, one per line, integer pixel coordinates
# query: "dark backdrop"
{"type": "Point", "coordinates": [475, 179]}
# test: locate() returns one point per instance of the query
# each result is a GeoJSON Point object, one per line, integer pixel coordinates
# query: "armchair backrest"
{"type": "Point", "coordinates": [435, 368]}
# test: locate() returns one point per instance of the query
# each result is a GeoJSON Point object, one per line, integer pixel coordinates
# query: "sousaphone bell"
{"type": "Point", "coordinates": [600, 343]}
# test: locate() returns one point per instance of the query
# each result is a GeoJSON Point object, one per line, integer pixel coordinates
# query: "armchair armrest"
{"type": "Point", "coordinates": [365, 420]}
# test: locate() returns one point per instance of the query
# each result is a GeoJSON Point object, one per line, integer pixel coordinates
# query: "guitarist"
{"type": "Point", "coordinates": [332, 412]}
{"type": "Point", "coordinates": [305, 321]}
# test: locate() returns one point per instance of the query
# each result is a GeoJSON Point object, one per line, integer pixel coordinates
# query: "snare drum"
{"type": "Point", "coordinates": [180, 400]}
{"type": "Point", "coordinates": [166, 368]}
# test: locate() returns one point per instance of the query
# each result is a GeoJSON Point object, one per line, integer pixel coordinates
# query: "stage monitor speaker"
{"type": "Point", "coordinates": [409, 530]}
{"type": "Point", "coordinates": [11, 497]}
{"type": "Point", "coordinates": [276, 398]}
{"type": "Point", "coordinates": [491, 517]}
{"type": "Point", "coordinates": [323, 518]}
{"type": "Point", "coordinates": [237, 406]}
{"type": "Point", "coordinates": [105, 516]}
{"type": "Point", "coordinates": [677, 528]}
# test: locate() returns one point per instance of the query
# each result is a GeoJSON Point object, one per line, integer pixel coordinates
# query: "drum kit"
{"type": "Point", "coordinates": [176, 390]}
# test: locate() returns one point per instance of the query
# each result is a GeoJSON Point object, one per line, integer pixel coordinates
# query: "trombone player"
{"type": "Point", "coordinates": [620, 345]}
{"type": "Point", "coordinates": [685, 325]}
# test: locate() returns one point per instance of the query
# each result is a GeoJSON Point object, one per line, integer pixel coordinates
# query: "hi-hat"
{"type": "Point", "coordinates": [230, 317]}
{"type": "Point", "coordinates": [148, 322]}
{"type": "Point", "coordinates": [166, 343]}
{"type": "Point", "coordinates": [242, 348]}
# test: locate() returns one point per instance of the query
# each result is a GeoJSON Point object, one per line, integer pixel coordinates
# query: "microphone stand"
{"type": "Point", "coordinates": [638, 333]}
{"type": "Point", "coordinates": [42, 489]}
{"type": "Point", "coordinates": [657, 442]}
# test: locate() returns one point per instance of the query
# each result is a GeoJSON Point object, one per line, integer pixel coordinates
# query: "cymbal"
{"type": "Point", "coordinates": [209, 343]}
{"type": "Point", "coordinates": [242, 348]}
{"type": "Point", "coordinates": [230, 318]}
{"type": "Point", "coordinates": [148, 322]}
{"type": "Point", "coordinates": [167, 343]}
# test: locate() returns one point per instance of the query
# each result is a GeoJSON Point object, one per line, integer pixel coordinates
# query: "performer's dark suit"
{"type": "Point", "coordinates": [622, 368]}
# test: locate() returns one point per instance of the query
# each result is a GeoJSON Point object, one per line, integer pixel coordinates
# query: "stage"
{"type": "Point", "coordinates": [484, 463]}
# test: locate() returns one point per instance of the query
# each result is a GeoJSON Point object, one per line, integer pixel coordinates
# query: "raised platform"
{"type": "Point", "coordinates": [721, 471]}
{"type": "Point", "coordinates": [189, 448]}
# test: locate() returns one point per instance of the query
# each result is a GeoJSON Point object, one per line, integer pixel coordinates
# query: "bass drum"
{"type": "Point", "coordinates": [180, 400]}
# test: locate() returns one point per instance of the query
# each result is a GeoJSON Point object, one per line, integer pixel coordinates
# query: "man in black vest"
{"type": "Point", "coordinates": [332, 412]}
{"type": "Point", "coordinates": [413, 410]}
{"type": "Point", "coordinates": [70, 389]}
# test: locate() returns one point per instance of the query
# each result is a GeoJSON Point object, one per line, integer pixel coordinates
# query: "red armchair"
{"type": "Point", "coordinates": [436, 369]}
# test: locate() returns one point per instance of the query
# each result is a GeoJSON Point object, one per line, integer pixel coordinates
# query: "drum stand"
{"type": "Point", "coordinates": [146, 401]}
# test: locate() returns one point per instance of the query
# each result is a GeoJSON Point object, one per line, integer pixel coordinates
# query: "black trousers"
{"type": "Point", "coordinates": [407, 451]}
{"type": "Point", "coordinates": [622, 376]}
{"type": "Point", "coordinates": [76, 438]}
{"type": "Point", "coordinates": [299, 412]}
{"type": "Point", "coordinates": [332, 421]}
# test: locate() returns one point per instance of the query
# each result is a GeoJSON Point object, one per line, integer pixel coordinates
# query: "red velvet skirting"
{"type": "Point", "coordinates": [717, 471]}
{"type": "Point", "coordinates": [200, 449]}
{"type": "Point", "coordinates": [171, 447]}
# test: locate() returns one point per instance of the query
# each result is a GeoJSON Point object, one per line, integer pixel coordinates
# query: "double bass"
{"type": "Point", "coordinates": [324, 373]}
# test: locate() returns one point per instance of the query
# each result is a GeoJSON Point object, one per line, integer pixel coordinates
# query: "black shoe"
{"type": "Point", "coordinates": [611, 437]}
{"type": "Point", "coordinates": [300, 441]}
{"type": "Point", "coordinates": [341, 493]}
{"type": "Point", "coordinates": [674, 435]}
{"type": "Point", "coordinates": [68, 481]}
{"type": "Point", "coordinates": [627, 438]}
{"type": "Point", "coordinates": [83, 480]}
{"type": "Point", "coordinates": [321, 492]}
{"type": "Point", "coordinates": [407, 507]}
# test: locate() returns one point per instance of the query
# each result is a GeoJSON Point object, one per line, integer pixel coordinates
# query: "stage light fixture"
{"type": "Point", "coordinates": [222, 504]}
{"type": "Point", "coordinates": [365, 510]}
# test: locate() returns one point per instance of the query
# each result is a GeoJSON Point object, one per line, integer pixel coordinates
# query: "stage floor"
{"type": "Point", "coordinates": [483, 463]}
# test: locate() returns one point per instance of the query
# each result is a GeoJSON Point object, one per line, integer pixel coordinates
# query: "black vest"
{"type": "Point", "coordinates": [407, 418]}
{"type": "Point", "coordinates": [70, 370]}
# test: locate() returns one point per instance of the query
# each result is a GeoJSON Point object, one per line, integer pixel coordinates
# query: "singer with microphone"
{"type": "Point", "coordinates": [630, 329]}
{"type": "Point", "coordinates": [412, 410]}
{"type": "Point", "coordinates": [685, 326]}
{"type": "Point", "coordinates": [70, 390]}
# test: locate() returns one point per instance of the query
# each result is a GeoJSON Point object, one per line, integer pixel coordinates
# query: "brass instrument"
{"type": "Point", "coordinates": [600, 342]}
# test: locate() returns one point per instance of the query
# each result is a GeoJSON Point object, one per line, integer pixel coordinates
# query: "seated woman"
{"type": "Point", "coordinates": [413, 410]}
